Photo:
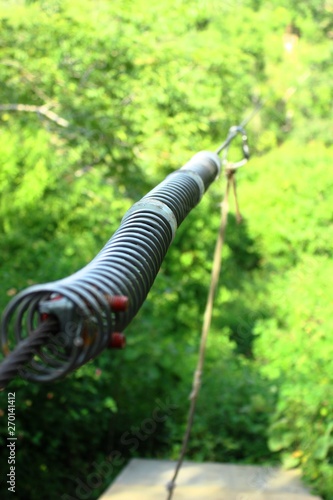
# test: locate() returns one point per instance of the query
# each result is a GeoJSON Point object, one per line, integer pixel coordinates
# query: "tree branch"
{"type": "Point", "coordinates": [31, 108]}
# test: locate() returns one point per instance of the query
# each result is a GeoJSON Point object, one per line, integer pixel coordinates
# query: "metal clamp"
{"type": "Point", "coordinates": [157, 207]}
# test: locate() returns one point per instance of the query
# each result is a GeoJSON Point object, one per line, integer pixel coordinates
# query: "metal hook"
{"type": "Point", "coordinates": [233, 132]}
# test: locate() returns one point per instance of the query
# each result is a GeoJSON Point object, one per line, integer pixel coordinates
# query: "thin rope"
{"type": "Point", "coordinates": [234, 188]}
{"type": "Point", "coordinates": [216, 269]}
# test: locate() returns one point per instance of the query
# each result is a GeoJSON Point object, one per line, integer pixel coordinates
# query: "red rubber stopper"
{"type": "Point", "coordinates": [117, 341]}
{"type": "Point", "coordinates": [118, 303]}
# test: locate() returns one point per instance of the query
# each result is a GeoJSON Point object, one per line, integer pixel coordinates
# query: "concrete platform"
{"type": "Point", "coordinates": [144, 479]}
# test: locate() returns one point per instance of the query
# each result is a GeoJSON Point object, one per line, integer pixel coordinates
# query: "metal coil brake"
{"type": "Point", "coordinates": [86, 310]}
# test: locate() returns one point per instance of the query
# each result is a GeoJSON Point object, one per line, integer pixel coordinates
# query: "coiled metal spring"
{"type": "Point", "coordinates": [127, 266]}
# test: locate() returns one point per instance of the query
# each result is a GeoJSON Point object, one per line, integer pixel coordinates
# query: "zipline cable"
{"type": "Point", "coordinates": [13, 364]}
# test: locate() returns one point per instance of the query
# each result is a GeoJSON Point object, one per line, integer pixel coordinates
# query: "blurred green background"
{"type": "Point", "coordinates": [135, 90]}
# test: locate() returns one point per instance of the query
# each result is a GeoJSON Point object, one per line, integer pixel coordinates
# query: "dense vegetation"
{"type": "Point", "coordinates": [135, 89]}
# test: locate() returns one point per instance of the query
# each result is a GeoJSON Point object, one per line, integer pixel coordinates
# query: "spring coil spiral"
{"type": "Point", "coordinates": [126, 266]}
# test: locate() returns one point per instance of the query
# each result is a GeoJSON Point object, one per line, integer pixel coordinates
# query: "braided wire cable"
{"type": "Point", "coordinates": [25, 351]}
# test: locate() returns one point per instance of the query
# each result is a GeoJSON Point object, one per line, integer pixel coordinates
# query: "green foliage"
{"type": "Point", "coordinates": [113, 96]}
{"type": "Point", "coordinates": [295, 351]}
{"type": "Point", "coordinates": [234, 410]}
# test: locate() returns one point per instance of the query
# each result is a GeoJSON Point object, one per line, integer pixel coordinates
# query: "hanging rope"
{"type": "Point", "coordinates": [230, 171]}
